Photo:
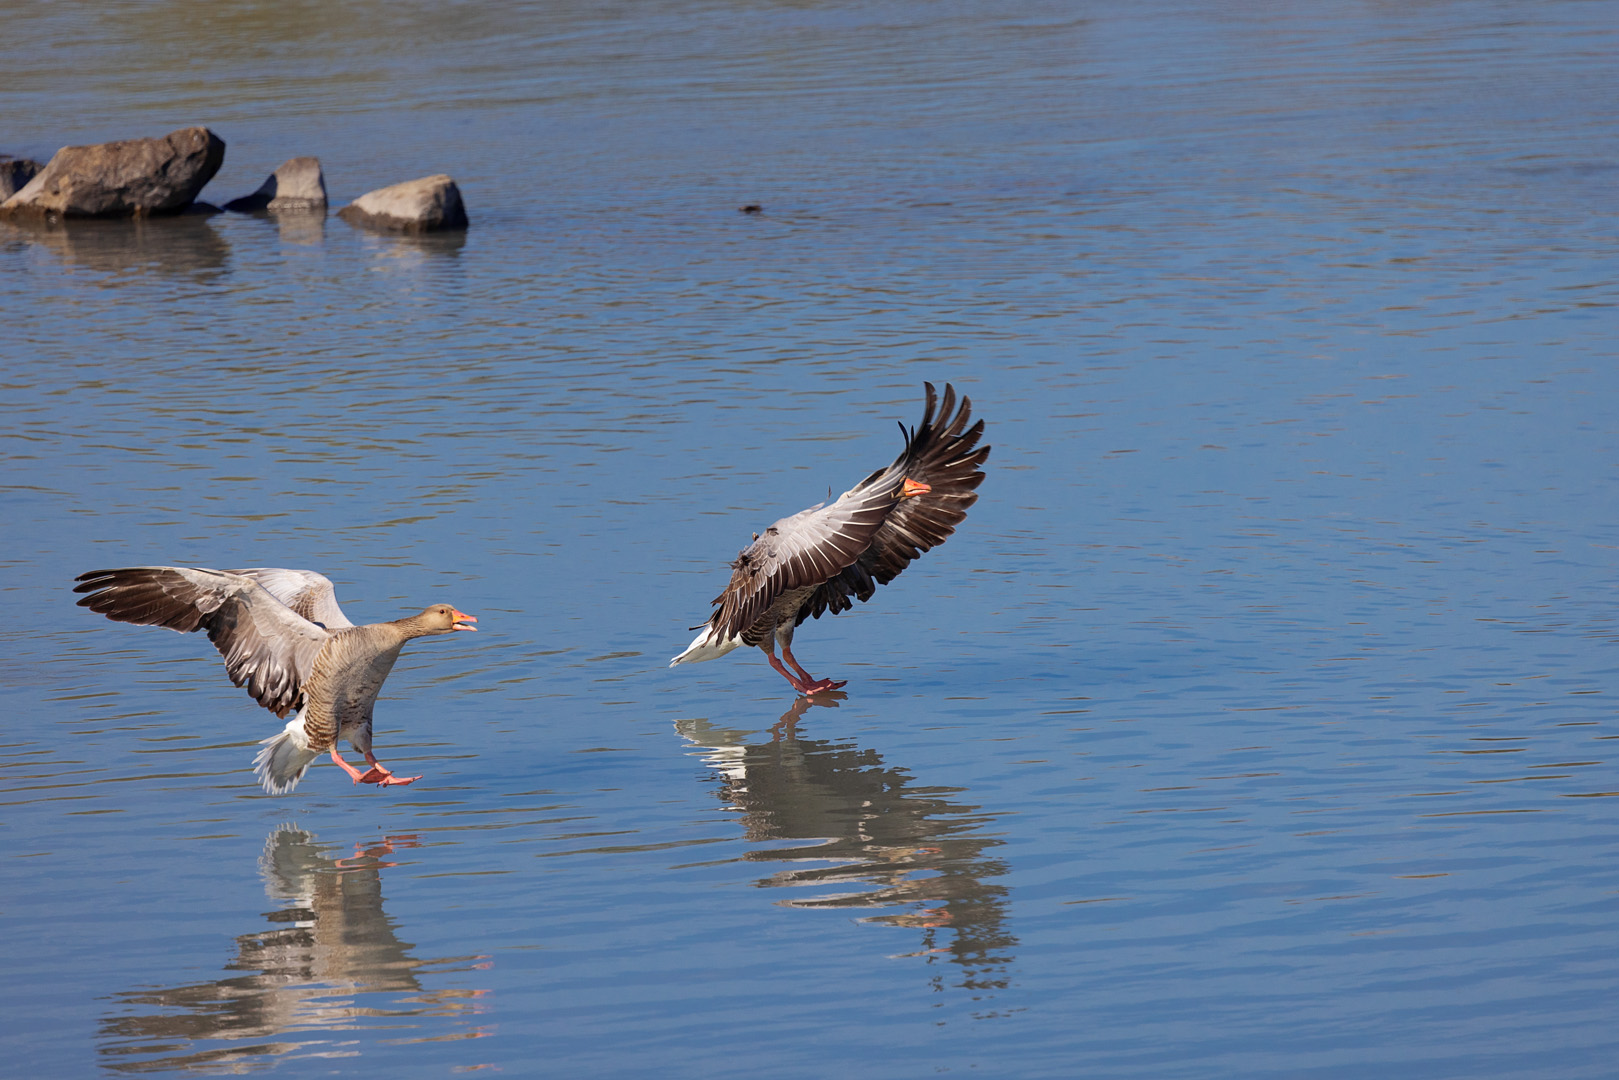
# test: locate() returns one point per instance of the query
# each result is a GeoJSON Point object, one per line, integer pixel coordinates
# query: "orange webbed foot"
{"type": "Point", "coordinates": [383, 777]}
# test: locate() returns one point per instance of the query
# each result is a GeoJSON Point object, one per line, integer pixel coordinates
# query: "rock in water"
{"type": "Point", "coordinates": [425, 205]}
{"type": "Point", "coordinates": [130, 178]}
{"type": "Point", "coordinates": [15, 174]}
{"type": "Point", "coordinates": [297, 185]}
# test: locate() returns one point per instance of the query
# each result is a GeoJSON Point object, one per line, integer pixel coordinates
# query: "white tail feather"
{"type": "Point", "coordinates": [708, 645]}
{"type": "Point", "coordinates": [285, 758]}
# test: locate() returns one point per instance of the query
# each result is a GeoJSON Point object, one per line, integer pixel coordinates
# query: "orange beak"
{"type": "Point", "coordinates": [913, 487]}
{"type": "Point", "coordinates": [461, 617]}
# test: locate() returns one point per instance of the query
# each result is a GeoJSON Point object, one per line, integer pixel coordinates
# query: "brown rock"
{"type": "Point", "coordinates": [425, 205]}
{"type": "Point", "coordinates": [130, 178]}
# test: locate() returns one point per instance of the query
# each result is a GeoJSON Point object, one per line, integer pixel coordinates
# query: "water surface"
{"type": "Point", "coordinates": [1254, 723]}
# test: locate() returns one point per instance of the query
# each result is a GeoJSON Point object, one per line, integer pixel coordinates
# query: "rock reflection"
{"type": "Point", "coordinates": [185, 245]}
{"type": "Point", "coordinates": [302, 973]}
{"type": "Point", "coordinates": [418, 247]}
{"type": "Point", "coordinates": [303, 227]}
{"type": "Point", "coordinates": [873, 839]}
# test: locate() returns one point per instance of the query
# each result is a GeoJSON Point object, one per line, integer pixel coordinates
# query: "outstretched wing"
{"type": "Point", "coordinates": [802, 551]}
{"type": "Point", "coordinates": [307, 593]}
{"type": "Point", "coordinates": [268, 648]}
{"type": "Point", "coordinates": [943, 453]}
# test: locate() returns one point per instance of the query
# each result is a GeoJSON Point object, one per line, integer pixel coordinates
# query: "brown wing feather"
{"type": "Point", "coordinates": [268, 649]}
{"type": "Point", "coordinates": [943, 453]}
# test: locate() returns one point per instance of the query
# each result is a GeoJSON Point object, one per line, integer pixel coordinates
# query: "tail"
{"type": "Point", "coordinates": [285, 757]}
{"type": "Point", "coordinates": [708, 645]}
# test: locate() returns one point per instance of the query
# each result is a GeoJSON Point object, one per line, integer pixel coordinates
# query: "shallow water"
{"type": "Point", "coordinates": [1253, 724]}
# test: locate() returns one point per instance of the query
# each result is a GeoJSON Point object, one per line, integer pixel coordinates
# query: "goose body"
{"type": "Point", "coordinates": [287, 642]}
{"type": "Point", "coordinates": [821, 560]}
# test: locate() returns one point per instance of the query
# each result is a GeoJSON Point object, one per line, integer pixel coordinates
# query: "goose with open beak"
{"type": "Point", "coordinates": [285, 639]}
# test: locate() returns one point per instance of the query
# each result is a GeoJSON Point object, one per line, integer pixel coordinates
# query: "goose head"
{"type": "Point", "coordinates": [442, 619]}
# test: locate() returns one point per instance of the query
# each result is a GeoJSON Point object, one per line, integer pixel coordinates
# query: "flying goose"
{"type": "Point", "coordinates": [814, 561]}
{"type": "Point", "coordinates": [285, 639]}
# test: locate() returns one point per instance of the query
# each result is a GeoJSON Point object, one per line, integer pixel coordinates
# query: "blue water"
{"type": "Point", "coordinates": [1253, 724]}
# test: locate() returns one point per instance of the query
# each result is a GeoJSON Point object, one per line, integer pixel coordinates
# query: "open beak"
{"type": "Point", "coordinates": [913, 487]}
{"type": "Point", "coordinates": [463, 617]}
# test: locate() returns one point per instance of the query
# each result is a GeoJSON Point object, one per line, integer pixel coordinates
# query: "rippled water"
{"type": "Point", "coordinates": [1255, 723]}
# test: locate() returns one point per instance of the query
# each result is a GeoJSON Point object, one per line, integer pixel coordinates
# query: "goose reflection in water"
{"type": "Point", "coordinates": [873, 840]}
{"type": "Point", "coordinates": [302, 973]}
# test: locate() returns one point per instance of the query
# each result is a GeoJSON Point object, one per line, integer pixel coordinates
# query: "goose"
{"type": "Point", "coordinates": [813, 562]}
{"type": "Point", "coordinates": [285, 639]}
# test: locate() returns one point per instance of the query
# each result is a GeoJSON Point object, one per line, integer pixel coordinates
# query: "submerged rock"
{"type": "Point", "coordinates": [15, 174]}
{"type": "Point", "coordinates": [425, 205]}
{"type": "Point", "coordinates": [129, 178]}
{"type": "Point", "coordinates": [297, 185]}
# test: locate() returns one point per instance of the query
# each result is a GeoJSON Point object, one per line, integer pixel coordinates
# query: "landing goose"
{"type": "Point", "coordinates": [816, 560]}
{"type": "Point", "coordinates": [285, 639]}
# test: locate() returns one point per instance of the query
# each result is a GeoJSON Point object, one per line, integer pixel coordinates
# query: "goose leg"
{"type": "Point", "coordinates": [337, 759]}
{"type": "Point", "coordinates": [770, 654]}
{"type": "Point", "coordinates": [810, 685]}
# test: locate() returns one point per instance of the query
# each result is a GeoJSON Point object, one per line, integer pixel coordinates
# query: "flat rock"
{"type": "Point", "coordinates": [425, 205]}
{"type": "Point", "coordinates": [15, 174]}
{"type": "Point", "coordinates": [129, 178]}
{"type": "Point", "coordinates": [297, 185]}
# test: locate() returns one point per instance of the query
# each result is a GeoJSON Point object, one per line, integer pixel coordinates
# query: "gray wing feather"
{"type": "Point", "coordinates": [304, 591]}
{"type": "Point", "coordinates": [804, 550]}
{"type": "Point", "coordinates": [268, 648]}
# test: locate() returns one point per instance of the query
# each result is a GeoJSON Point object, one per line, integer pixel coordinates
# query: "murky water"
{"type": "Point", "coordinates": [1255, 723]}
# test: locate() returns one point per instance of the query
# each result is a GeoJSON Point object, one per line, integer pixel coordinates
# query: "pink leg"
{"type": "Point", "coordinates": [811, 684]}
{"type": "Point", "coordinates": [337, 759]}
{"type": "Point", "coordinates": [770, 652]}
{"type": "Point", "coordinates": [787, 655]}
